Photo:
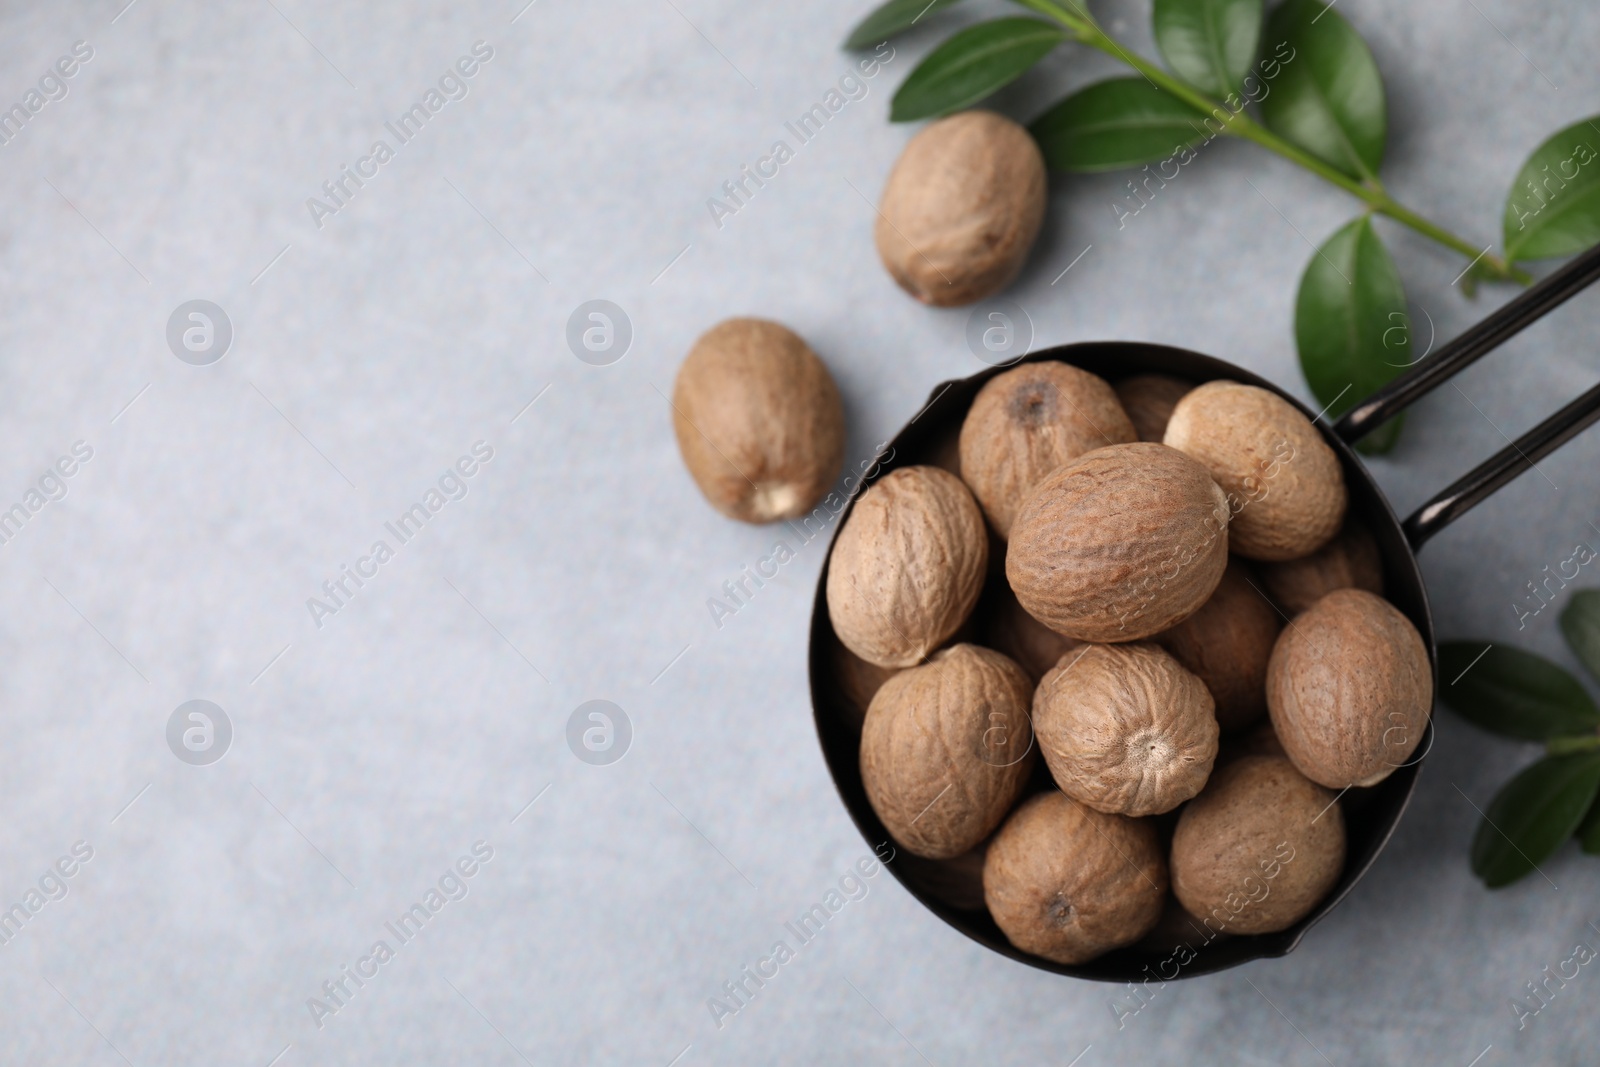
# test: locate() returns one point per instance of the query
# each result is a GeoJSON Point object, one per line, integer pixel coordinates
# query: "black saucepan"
{"type": "Point", "coordinates": [949, 888]}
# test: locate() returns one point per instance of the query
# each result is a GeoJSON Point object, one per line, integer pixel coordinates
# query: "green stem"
{"type": "Point", "coordinates": [1239, 124]}
{"type": "Point", "coordinates": [1561, 746]}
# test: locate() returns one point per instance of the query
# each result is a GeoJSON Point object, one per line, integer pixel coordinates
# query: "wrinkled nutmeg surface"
{"type": "Point", "coordinates": [908, 566]}
{"type": "Point", "coordinates": [1228, 644]}
{"type": "Point", "coordinates": [947, 748]}
{"type": "Point", "coordinates": [1350, 689]}
{"type": "Point", "coordinates": [758, 420]}
{"type": "Point", "coordinates": [1149, 399]}
{"type": "Point", "coordinates": [1119, 544]}
{"type": "Point", "coordinates": [1069, 883]}
{"type": "Point", "coordinates": [961, 209]}
{"type": "Point", "coordinates": [1285, 485]}
{"type": "Point", "coordinates": [1258, 849]}
{"type": "Point", "coordinates": [1125, 729]}
{"type": "Point", "coordinates": [1026, 423]}
{"type": "Point", "coordinates": [1350, 561]}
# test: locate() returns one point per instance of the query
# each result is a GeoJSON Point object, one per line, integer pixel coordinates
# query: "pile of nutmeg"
{"type": "Point", "coordinates": [1124, 581]}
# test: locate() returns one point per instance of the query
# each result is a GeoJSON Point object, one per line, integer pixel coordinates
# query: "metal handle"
{"type": "Point", "coordinates": [1478, 341]}
{"type": "Point", "coordinates": [1511, 461]}
{"type": "Point", "coordinates": [1463, 351]}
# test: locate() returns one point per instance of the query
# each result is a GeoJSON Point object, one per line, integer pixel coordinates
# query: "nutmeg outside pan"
{"type": "Point", "coordinates": [950, 889]}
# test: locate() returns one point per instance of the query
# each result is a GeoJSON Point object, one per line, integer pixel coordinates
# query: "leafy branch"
{"type": "Point", "coordinates": [1316, 99]}
{"type": "Point", "coordinates": [1520, 695]}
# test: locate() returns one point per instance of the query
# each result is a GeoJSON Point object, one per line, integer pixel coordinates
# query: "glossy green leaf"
{"type": "Point", "coordinates": [1114, 124]}
{"type": "Point", "coordinates": [1211, 44]}
{"type": "Point", "coordinates": [973, 64]}
{"type": "Point", "coordinates": [891, 20]}
{"type": "Point", "coordinates": [1553, 208]}
{"type": "Point", "coordinates": [1532, 815]}
{"type": "Point", "coordinates": [1351, 325]}
{"type": "Point", "coordinates": [1513, 693]}
{"type": "Point", "coordinates": [1328, 96]}
{"type": "Point", "coordinates": [1580, 623]}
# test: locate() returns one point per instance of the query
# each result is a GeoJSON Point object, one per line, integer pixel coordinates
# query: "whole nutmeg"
{"type": "Point", "coordinates": [1350, 689]}
{"type": "Point", "coordinates": [1120, 544]}
{"type": "Point", "coordinates": [1026, 423]}
{"type": "Point", "coordinates": [908, 566]}
{"type": "Point", "coordinates": [1149, 399]}
{"type": "Point", "coordinates": [946, 749]}
{"type": "Point", "coordinates": [961, 209]}
{"type": "Point", "coordinates": [1003, 625]}
{"type": "Point", "coordinates": [859, 681]}
{"type": "Point", "coordinates": [1349, 561]}
{"type": "Point", "coordinates": [1285, 485]}
{"type": "Point", "coordinates": [1228, 643]}
{"type": "Point", "coordinates": [759, 421]}
{"type": "Point", "coordinates": [1125, 729]}
{"type": "Point", "coordinates": [1069, 883]}
{"type": "Point", "coordinates": [1256, 851]}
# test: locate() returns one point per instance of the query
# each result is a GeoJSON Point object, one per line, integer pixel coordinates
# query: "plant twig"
{"type": "Point", "coordinates": [1239, 124]}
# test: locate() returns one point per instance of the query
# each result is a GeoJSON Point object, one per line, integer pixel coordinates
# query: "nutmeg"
{"type": "Point", "coordinates": [1119, 544]}
{"type": "Point", "coordinates": [1350, 689]}
{"type": "Point", "coordinates": [947, 748]}
{"type": "Point", "coordinates": [1026, 423]}
{"type": "Point", "coordinates": [1285, 486]}
{"type": "Point", "coordinates": [1069, 883]}
{"type": "Point", "coordinates": [1125, 729]}
{"type": "Point", "coordinates": [907, 567]}
{"type": "Point", "coordinates": [859, 681]}
{"type": "Point", "coordinates": [758, 420]}
{"type": "Point", "coordinates": [961, 208]}
{"type": "Point", "coordinates": [1258, 849]}
{"type": "Point", "coordinates": [1005, 626]}
{"type": "Point", "coordinates": [1349, 561]}
{"type": "Point", "coordinates": [1149, 399]}
{"type": "Point", "coordinates": [1227, 643]}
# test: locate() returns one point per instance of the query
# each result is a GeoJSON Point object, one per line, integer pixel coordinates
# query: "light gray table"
{"type": "Point", "coordinates": [369, 754]}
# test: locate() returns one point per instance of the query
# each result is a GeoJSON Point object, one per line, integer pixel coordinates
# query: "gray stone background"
{"type": "Point", "coordinates": [369, 754]}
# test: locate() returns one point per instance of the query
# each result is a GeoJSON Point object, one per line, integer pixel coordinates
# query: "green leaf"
{"type": "Point", "coordinates": [1588, 832]}
{"type": "Point", "coordinates": [973, 64]}
{"type": "Point", "coordinates": [1532, 815]}
{"type": "Point", "coordinates": [1114, 124]}
{"type": "Point", "coordinates": [1513, 693]}
{"type": "Point", "coordinates": [1580, 624]}
{"type": "Point", "coordinates": [891, 20]}
{"type": "Point", "coordinates": [1328, 97]}
{"type": "Point", "coordinates": [1350, 324]}
{"type": "Point", "coordinates": [1211, 44]}
{"type": "Point", "coordinates": [1553, 208]}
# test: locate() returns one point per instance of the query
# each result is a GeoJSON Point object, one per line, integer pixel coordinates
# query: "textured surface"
{"type": "Point", "coordinates": [407, 728]}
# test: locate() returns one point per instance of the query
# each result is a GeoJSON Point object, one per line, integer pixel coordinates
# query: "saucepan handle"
{"type": "Point", "coordinates": [1472, 345]}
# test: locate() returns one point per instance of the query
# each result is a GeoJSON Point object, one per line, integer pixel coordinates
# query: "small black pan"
{"type": "Point", "coordinates": [948, 888]}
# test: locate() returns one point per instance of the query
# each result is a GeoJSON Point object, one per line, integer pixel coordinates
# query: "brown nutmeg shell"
{"type": "Point", "coordinates": [1125, 729]}
{"type": "Point", "coordinates": [907, 567]}
{"type": "Point", "coordinates": [1258, 849]}
{"type": "Point", "coordinates": [1350, 561]}
{"type": "Point", "coordinates": [961, 208]}
{"type": "Point", "coordinates": [1120, 544]}
{"type": "Point", "coordinates": [1069, 883]}
{"type": "Point", "coordinates": [1286, 488]}
{"type": "Point", "coordinates": [1228, 644]}
{"type": "Point", "coordinates": [1026, 423]}
{"type": "Point", "coordinates": [1350, 689]}
{"type": "Point", "coordinates": [1149, 399]}
{"type": "Point", "coordinates": [947, 748]}
{"type": "Point", "coordinates": [759, 421]}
